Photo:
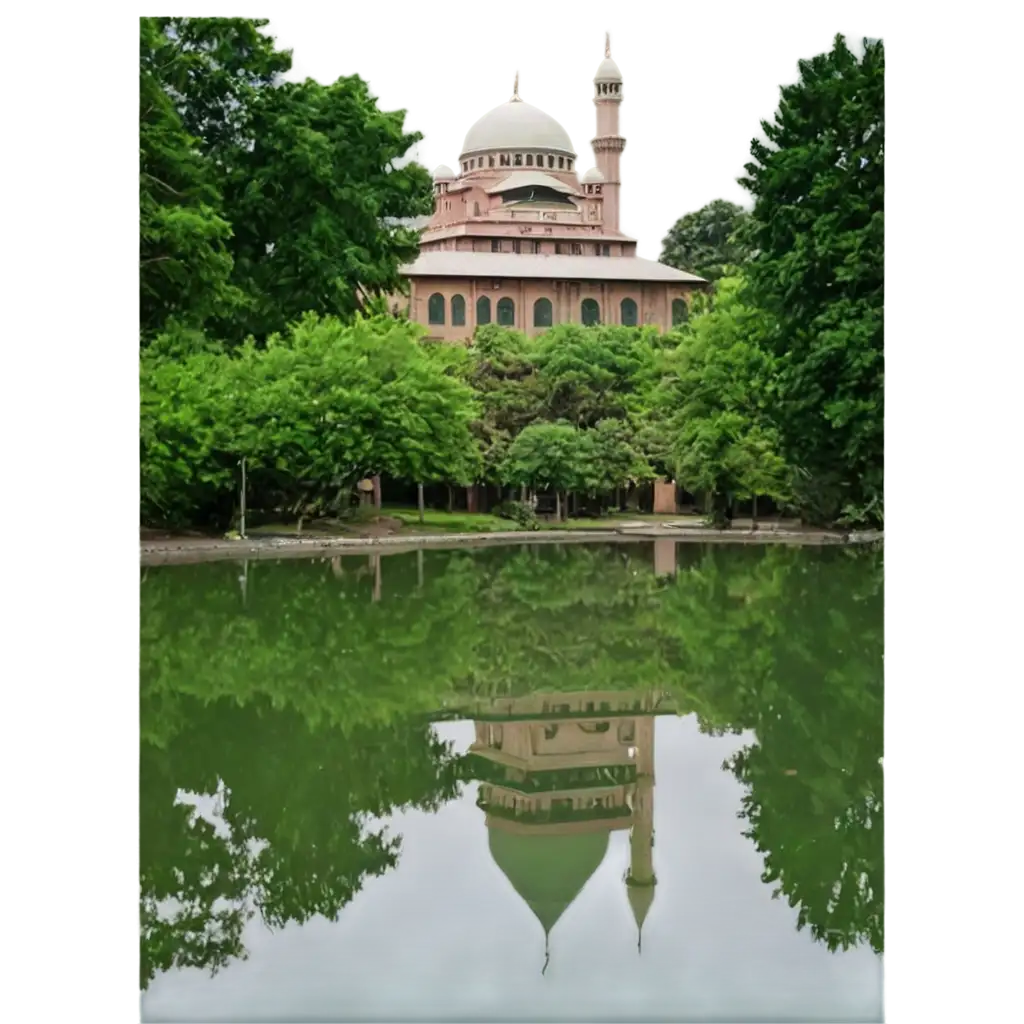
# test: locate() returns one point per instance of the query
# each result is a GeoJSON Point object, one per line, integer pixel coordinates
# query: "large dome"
{"type": "Point", "coordinates": [548, 871]}
{"type": "Point", "coordinates": [517, 126]}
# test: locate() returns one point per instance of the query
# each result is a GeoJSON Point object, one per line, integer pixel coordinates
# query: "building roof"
{"type": "Point", "coordinates": [524, 179]}
{"type": "Point", "coordinates": [517, 126]}
{"type": "Point", "coordinates": [536, 265]}
{"type": "Point", "coordinates": [548, 871]}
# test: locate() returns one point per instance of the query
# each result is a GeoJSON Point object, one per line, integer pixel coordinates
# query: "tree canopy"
{"type": "Point", "coordinates": [708, 242]}
{"type": "Point", "coordinates": [818, 182]}
{"type": "Point", "coordinates": [288, 192]}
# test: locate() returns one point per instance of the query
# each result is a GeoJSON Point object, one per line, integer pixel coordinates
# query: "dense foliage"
{"type": "Point", "coordinates": [818, 227]}
{"type": "Point", "coordinates": [708, 242]}
{"type": "Point", "coordinates": [311, 413]}
{"type": "Point", "coordinates": [298, 705]}
{"type": "Point", "coordinates": [268, 239]}
{"type": "Point", "coordinates": [288, 192]}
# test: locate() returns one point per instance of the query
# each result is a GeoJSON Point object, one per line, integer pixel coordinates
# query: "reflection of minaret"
{"type": "Point", "coordinates": [640, 880]}
{"type": "Point", "coordinates": [558, 773]}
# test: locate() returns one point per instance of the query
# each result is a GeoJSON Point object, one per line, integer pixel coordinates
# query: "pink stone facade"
{"type": "Point", "coordinates": [517, 192]}
{"type": "Point", "coordinates": [653, 301]}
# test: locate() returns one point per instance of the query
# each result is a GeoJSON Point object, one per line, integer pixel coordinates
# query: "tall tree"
{"type": "Point", "coordinates": [313, 182]}
{"type": "Point", "coordinates": [708, 241]}
{"type": "Point", "coordinates": [817, 227]}
{"type": "Point", "coordinates": [184, 259]}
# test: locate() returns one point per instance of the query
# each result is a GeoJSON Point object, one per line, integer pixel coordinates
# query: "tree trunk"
{"type": "Point", "coordinates": [419, 500]}
{"type": "Point", "coordinates": [376, 493]}
{"type": "Point", "coordinates": [450, 496]}
{"type": "Point", "coordinates": [522, 493]}
{"type": "Point", "coordinates": [753, 513]}
{"type": "Point", "coordinates": [558, 506]}
{"type": "Point", "coordinates": [241, 531]}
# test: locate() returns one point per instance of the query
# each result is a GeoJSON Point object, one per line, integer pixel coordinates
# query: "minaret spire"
{"type": "Point", "coordinates": [515, 89]}
{"type": "Point", "coordinates": [607, 44]}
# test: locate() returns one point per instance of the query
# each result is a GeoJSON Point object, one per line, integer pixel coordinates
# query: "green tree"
{"type": "Point", "coordinates": [714, 405]}
{"type": "Point", "coordinates": [548, 456]}
{"type": "Point", "coordinates": [586, 374]}
{"type": "Point", "coordinates": [709, 241]}
{"type": "Point", "coordinates": [818, 230]}
{"type": "Point", "coordinates": [313, 180]}
{"type": "Point", "coordinates": [612, 458]}
{"type": "Point", "coordinates": [312, 412]}
{"type": "Point", "coordinates": [500, 367]}
{"type": "Point", "coordinates": [184, 258]}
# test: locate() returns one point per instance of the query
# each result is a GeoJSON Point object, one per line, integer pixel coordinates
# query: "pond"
{"type": "Point", "coordinates": [614, 782]}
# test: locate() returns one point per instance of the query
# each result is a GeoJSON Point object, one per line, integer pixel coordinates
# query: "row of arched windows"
{"type": "Point", "coordinates": [518, 160]}
{"type": "Point", "coordinates": [543, 312]}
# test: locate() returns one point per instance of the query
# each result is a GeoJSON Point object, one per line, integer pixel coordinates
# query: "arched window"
{"type": "Point", "coordinates": [542, 313]}
{"type": "Point", "coordinates": [506, 312]}
{"type": "Point", "coordinates": [490, 161]}
{"type": "Point", "coordinates": [435, 308]}
{"type": "Point", "coordinates": [458, 311]}
{"type": "Point", "coordinates": [483, 310]}
{"type": "Point", "coordinates": [529, 159]}
{"type": "Point", "coordinates": [680, 312]}
{"type": "Point", "coordinates": [628, 309]}
{"type": "Point", "coordinates": [590, 312]}
{"type": "Point", "coordinates": [517, 160]}
{"type": "Point", "coordinates": [551, 160]}
{"type": "Point", "coordinates": [476, 208]}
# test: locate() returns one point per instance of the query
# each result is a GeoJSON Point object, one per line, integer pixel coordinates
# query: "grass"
{"type": "Point", "coordinates": [448, 522]}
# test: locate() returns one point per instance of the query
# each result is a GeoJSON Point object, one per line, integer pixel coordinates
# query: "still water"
{"type": "Point", "coordinates": [604, 783]}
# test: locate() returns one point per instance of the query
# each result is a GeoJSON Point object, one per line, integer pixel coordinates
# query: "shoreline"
{"type": "Point", "coordinates": [190, 550]}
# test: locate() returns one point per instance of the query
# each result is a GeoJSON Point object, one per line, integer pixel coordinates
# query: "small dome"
{"type": "Point", "coordinates": [517, 126]}
{"type": "Point", "coordinates": [592, 176]}
{"type": "Point", "coordinates": [443, 173]}
{"type": "Point", "coordinates": [611, 68]}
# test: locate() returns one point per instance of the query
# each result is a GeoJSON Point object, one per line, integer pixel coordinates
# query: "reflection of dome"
{"type": "Point", "coordinates": [517, 126]}
{"type": "Point", "coordinates": [548, 871]}
{"type": "Point", "coordinates": [594, 174]}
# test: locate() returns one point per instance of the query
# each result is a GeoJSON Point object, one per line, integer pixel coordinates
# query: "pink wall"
{"type": "Point", "coordinates": [654, 302]}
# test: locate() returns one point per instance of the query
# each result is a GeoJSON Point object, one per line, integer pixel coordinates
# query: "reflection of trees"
{"type": "Point", "coordinates": [309, 707]}
{"type": "Point", "coordinates": [295, 840]}
{"type": "Point", "coordinates": [788, 643]}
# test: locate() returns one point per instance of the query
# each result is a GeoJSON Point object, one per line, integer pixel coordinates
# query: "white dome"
{"type": "Point", "coordinates": [517, 126]}
{"type": "Point", "coordinates": [593, 175]}
{"type": "Point", "coordinates": [608, 71]}
{"type": "Point", "coordinates": [443, 173]}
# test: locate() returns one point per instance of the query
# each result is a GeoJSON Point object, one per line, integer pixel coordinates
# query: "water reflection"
{"type": "Point", "coordinates": [558, 774]}
{"type": "Point", "coordinates": [287, 734]}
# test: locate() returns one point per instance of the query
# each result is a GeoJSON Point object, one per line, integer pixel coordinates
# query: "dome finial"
{"type": "Point", "coordinates": [607, 44]}
{"type": "Point", "coordinates": [515, 89]}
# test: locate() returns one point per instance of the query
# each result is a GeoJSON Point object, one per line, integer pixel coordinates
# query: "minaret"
{"type": "Point", "coordinates": [608, 144]}
{"type": "Point", "coordinates": [640, 879]}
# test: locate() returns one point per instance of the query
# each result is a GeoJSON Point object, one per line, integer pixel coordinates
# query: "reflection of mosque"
{"type": "Point", "coordinates": [558, 773]}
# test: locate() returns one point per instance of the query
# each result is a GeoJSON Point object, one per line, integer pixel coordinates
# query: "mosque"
{"type": "Point", "coordinates": [558, 774]}
{"type": "Point", "coordinates": [518, 238]}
